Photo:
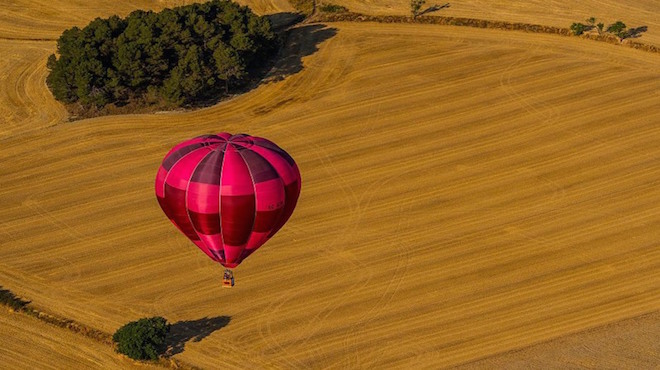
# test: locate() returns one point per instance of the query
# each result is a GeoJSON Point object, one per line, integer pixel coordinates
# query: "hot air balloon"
{"type": "Point", "coordinates": [228, 194]}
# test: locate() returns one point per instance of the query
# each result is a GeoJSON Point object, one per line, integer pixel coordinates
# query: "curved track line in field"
{"type": "Point", "coordinates": [505, 82]}
{"type": "Point", "coordinates": [47, 216]}
{"type": "Point", "coordinates": [26, 104]}
{"type": "Point", "coordinates": [543, 110]}
{"type": "Point", "coordinates": [394, 279]}
{"type": "Point", "coordinates": [333, 251]}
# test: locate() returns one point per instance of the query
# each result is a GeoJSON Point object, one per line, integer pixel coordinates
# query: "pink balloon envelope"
{"type": "Point", "coordinates": [228, 193]}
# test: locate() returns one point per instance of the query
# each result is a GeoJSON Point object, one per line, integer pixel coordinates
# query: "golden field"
{"type": "Point", "coordinates": [466, 193]}
{"type": "Point", "coordinates": [28, 343]}
{"type": "Point", "coordinates": [559, 13]}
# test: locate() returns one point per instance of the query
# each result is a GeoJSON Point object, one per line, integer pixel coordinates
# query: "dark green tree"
{"type": "Point", "coordinates": [62, 78]}
{"type": "Point", "coordinates": [143, 339]}
{"type": "Point", "coordinates": [619, 29]}
{"type": "Point", "coordinates": [577, 28]}
{"type": "Point", "coordinates": [229, 64]}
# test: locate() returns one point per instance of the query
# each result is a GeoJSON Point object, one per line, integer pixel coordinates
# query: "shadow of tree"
{"type": "Point", "coordinates": [9, 299]}
{"type": "Point", "coordinates": [279, 21]}
{"type": "Point", "coordinates": [434, 8]}
{"type": "Point", "coordinates": [301, 42]}
{"type": "Point", "coordinates": [184, 331]}
{"type": "Point", "coordinates": [636, 32]}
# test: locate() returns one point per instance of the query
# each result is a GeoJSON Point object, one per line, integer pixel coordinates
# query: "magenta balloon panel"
{"type": "Point", "coordinates": [228, 193]}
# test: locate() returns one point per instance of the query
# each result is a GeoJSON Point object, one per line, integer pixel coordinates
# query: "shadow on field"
{"type": "Point", "coordinates": [9, 299]}
{"type": "Point", "coordinates": [637, 32]}
{"type": "Point", "coordinates": [434, 8]}
{"type": "Point", "coordinates": [184, 331]}
{"type": "Point", "coordinates": [300, 42]}
{"type": "Point", "coordinates": [282, 20]}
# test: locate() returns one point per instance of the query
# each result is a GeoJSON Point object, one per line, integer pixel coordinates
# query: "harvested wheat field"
{"type": "Point", "coordinates": [548, 13]}
{"type": "Point", "coordinates": [614, 346]}
{"type": "Point", "coordinates": [45, 20]}
{"type": "Point", "coordinates": [27, 343]}
{"type": "Point", "coordinates": [466, 193]}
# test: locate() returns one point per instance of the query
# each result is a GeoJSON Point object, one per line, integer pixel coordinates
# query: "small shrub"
{"type": "Point", "coordinates": [600, 28]}
{"type": "Point", "coordinates": [333, 8]}
{"type": "Point", "coordinates": [143, 339]}
{"type": "Point", "coordinates": [619, 29]}
{"type": "Point", "coordinates": [305, 7]}
{"type": "Point", "coordinates": [577, 28]}
{"type": "Point", "coordinates": [416, 7]}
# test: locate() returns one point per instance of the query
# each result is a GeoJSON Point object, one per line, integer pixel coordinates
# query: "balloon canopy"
{"type": "Point", "coordinates": [228, 193]}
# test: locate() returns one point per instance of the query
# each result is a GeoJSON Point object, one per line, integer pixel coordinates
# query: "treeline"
{"type": "Point", "coordinates": [478, 23]}
{"type": "Point", "coordinates": [177, 56]}
{"type": "Point", "coordinates": [618, 29]}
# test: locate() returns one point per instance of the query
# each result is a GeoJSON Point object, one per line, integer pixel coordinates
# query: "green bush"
{"type": "Point", "coordinates": [577, 28]}
{"type": "Point", "coordinates": [180, 55]}
{"type": "Point", "coordinates": [333, 8]}
{"type": "Point", "coordinates": [305, 7]}
{"type": "Point", "coordinates": [143, 339]}
{"type": "Point", "coordinates": [619, 29]}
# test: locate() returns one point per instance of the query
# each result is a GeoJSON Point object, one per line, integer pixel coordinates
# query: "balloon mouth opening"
{"type": "Point", "coordinates": [229, 265]}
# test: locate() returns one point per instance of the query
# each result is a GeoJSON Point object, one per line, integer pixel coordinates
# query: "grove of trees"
{"type": "Point", "coordinates": [176, 56]}
{"type": "Point", "coordinates": [617, 28]}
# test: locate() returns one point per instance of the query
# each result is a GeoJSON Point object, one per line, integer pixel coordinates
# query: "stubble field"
{"type": "Point", "coordinates": [559, 13]}
{"type": "Point", "coordinates": [466, 193]}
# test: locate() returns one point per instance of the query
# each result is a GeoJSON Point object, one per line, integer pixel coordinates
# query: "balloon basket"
{"type": "Point", "coordinates": [228, 279]}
